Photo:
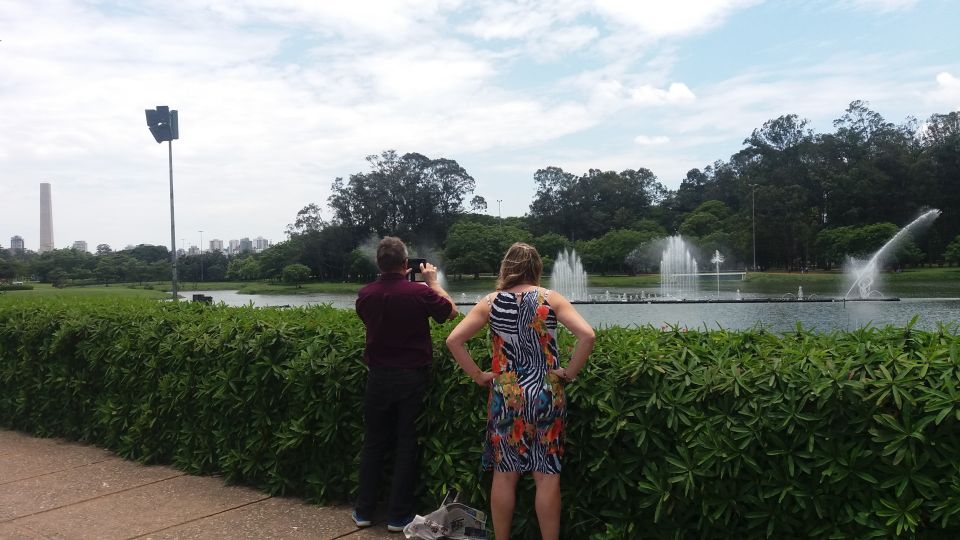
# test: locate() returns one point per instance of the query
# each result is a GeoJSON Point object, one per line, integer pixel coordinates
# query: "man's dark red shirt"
{"type": "Point", "coordinates": [396, 312]}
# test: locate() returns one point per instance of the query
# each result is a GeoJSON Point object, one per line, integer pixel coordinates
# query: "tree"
{"type": "Point", "coordinates": [952, 254]}
{"type": "Point", "coordinates": [7, 269]}
{"type": "Point", "coordinates": [609, 252]}
{"type": "Point", "coordinates": [593, 204]}
{"type": "Point", "coordinates": [473, 247]}
{"type": "Point", "coordinates": [362, 266]}
{"type": "Point", "coordinates": [410, 196]}
{"type": "Point", "coordinates": [938, 160]}
{"type": "Point", "coordinates": [706, 219]}
{"type": "Point", "coordinates": [296, 273]}
{"type": "Point", "coordinates": [549, 245]}
{"type": "Point", "coordinates": [148, 253]}
{"type": "Point", "coordinates": [308, 220]}
{"type": "Point", "coordinates": [833, 245]}
{"type": "Point", "coordinates": [108, 269]}
{"type": "Point", "coordinates": [103, 249]}
{"type": "Point", "coordinates": [478, 204]}
{"type": "Point", "coordinates": [244, 269]}
{"type": "Point", "coordinates": [278, 256]}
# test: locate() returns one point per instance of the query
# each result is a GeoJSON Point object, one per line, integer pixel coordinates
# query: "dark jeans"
{"type": "Point", "coordinates": [393, 401]}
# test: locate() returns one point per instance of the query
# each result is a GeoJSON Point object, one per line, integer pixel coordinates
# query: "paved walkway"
{"type": "Point", "coordinates": [50, 488]}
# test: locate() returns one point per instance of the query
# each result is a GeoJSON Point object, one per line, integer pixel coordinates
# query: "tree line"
{"type": "Point", "coordinates": [790, 197]}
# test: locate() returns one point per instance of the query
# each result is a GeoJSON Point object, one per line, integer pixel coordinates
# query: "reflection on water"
{"type": "Point", "coordinates": [777, 317]}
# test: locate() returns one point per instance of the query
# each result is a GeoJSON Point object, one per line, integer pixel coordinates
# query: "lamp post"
{"type": "Point", "coordinates": [164, 126]}
{"type": "Point", "coordinates": [753, 219]}
{"type": "Point", "coordinates": [201, 255]}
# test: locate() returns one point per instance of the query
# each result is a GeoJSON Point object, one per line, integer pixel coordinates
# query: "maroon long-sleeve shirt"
{"type": "Point", "coordinates": [396, 313]}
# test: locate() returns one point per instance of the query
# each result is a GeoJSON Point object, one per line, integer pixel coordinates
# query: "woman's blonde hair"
{"type": "Point", "coordinates": [521, 264]}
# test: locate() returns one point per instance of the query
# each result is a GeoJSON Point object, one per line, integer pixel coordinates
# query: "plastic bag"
{"type": "Point", "coordinates": [453, 520]}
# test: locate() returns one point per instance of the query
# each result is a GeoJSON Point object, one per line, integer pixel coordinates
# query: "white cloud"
{"type": "Point", "coordinates": [623, 27]}
{"type": "Point", "coordinates": [670, 19]}
{"type": "Point", "coordinates": [381, 20]}
{"type": "Point", "coordinates": [647, 140]}
{"type": "Point", "coordinates": [510, 20]}
{"type": "Point", "coordinates": [881, 6]}
{"type": "Point", "coordinates": [647, 95]}
{"type": "Point", "coordinates": [947, 92]}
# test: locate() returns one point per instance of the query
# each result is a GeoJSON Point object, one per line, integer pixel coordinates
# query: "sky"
{"type": "Point", "coordinates": [277, 98]}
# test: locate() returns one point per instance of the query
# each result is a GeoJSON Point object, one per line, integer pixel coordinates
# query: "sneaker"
{"type": "Point", "coordinates": [360, 520]}
{"type": "Point", "coordinates": [397, 525]}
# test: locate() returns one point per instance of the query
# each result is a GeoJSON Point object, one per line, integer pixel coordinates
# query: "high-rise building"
{"type": "Point", "coordinates": [80, 245]}
{"type": "Point", "coordinates": [16, 244]}
{"type": "Point", "coordinates": [216, 245]}
{"type": "Point", "coordinates": [234, 247]}
{"type": "Point", "coordinates": [260, 243]}
{"type": "Point", "coordinates": [46, 219]}
{"type": "Point", "coordinates": [245, 245]}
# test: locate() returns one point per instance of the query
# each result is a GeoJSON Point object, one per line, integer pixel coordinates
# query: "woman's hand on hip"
{"type": "Point", "coordinates": [484, 378]}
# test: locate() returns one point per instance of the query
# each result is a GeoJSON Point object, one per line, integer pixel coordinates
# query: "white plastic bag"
{"type": "Point", "coordinates": [453, 520]}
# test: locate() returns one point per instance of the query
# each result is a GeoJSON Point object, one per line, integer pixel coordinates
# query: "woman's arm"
{"type": "Point", "coordinates": [475, 320]}
{"type": "Point", "coordinates": [580, 328]}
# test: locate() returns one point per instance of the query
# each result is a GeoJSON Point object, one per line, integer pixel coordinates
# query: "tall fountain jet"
{"type": "Point", "coordinates": [568, 277]}
{"type": "Point", "coordinates": [46, 219]}
{"type": "Point", "coordinates": [866, 275]}
{"type": "Point", "coordinates": [678, 271]}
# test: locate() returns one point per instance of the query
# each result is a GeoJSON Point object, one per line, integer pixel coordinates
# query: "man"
{"type": "Point", "coordinates": [398, 352]}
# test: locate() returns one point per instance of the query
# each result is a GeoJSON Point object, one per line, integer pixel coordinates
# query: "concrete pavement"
{"type": "Point", "coordinates": [51, 488]}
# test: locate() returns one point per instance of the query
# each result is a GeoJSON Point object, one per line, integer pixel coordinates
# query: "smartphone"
{"type": "Point", "coordinates": [414, 266]}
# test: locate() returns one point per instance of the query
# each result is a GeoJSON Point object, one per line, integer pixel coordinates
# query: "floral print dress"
{"type": "Point", "coordinates": [527, 407]}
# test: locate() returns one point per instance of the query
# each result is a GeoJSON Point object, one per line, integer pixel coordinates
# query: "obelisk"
{"type": "Point", "coordinates": [46, 219]}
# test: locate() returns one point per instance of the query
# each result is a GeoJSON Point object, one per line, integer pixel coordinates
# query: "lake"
{"type": "Point", "coordinates": [776, 317]}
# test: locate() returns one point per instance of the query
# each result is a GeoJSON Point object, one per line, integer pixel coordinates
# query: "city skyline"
{"type": "Point", "coordinates": [258, 244]}
{"type": "Point", "coordinates": [276, 100]}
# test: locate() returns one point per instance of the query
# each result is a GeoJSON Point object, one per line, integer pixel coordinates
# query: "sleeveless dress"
{"type": "Point", "coordinates": [526, 406]}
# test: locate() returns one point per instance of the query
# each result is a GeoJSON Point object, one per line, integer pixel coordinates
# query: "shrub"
{"type": "Point", "coordinates": [671, 434]}
{"type": "Point", "coordinates": [15, 287]}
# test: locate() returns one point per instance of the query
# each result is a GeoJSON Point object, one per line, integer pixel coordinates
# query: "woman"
{"type": "Point", "coordinates": [526, 405]}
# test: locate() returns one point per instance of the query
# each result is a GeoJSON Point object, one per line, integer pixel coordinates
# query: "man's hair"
{"type": "Point", "coordinates": [391, 254]}
{"type": "Point", "coordinates": [521, 264]}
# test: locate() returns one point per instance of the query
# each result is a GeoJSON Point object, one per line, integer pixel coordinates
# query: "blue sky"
{"type": "Point", "coordinates": [279, 97]}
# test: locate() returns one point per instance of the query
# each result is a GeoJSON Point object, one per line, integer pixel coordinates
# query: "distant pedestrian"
{"type": "Point", "coordinates": [527, 405]}
{"type": "Point", "coordinates": [398, 353]}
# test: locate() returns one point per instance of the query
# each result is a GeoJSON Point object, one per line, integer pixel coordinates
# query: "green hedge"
{"type": "Point", "coordinates": [671, 434]}
{"type": "Point", "coordinates": [18, 287]}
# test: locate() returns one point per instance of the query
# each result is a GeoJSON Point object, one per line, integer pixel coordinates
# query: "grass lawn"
{"type": "Point", "coordinates": [119, 291]}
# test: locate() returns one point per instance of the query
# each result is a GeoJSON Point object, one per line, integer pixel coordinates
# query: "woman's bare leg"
{"type": "Point", "coordinates": [548, 505]}
{"type": "Point", "coordinates": [503, 497]}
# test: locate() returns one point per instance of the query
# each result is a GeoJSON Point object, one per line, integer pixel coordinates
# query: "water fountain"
{"type": "Point", "coordinates": [568, 277]}
{"type": "Point", "coordinates": [866, 275]}
{"type": "Point", "coordinates": [717, 259]}
{"type": "Point", "coordinates": [678, 270]}
{"type": "Point", "coordinates": [679, 277]}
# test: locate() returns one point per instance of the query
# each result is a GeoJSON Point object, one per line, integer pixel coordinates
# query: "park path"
{"type": "Point", "coordinates": [51, 488]}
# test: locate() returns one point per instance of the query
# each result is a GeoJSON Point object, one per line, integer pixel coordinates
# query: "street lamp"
{"type": "Point", "coordinates": [164, 126]}
{"type": "Point", "coordinates": [201, 255]}
{"type": "Point", "coordinates": [753, 219]}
